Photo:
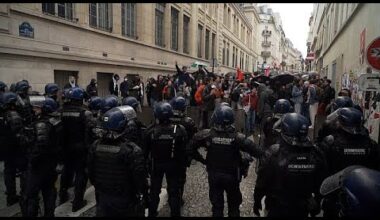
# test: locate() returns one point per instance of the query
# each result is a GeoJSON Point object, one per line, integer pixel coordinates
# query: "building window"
{"type": "Point", "coordinates": [199, 43]}
{"type": "Point", "coordinates": [224, 53]}
{"type": "Point", "coordinates": [233, 56]}
{"type": "Point", "coordinates": [236, 56]}
{"type": "Point", "coordinates": [159, 25]}
{"type": "Point", "coordinates": [229, 18]}
{"type": "Point", "coordinates": [62, 10]}
{"type": "Point", "coordinates": [101, 16]}
{"type": "Point", "coordinates": [228, 54]}
{"type": "Point", "coordinates": [225, 14]}
{"type": "Point", "coordinates": [186, 22]}
{"type": "Point", "coordinates": [213, 37]}
{"type": "Point", "coordinates": [174, 22]}
{"type": "Point", "coordinates": [336, 18]}
{"type": "Point", "coordinates": [128, 19]}
{"type": "Point", "coordinates": [207, 44]}
{"type": "Point", "coordinates": [246, 63]}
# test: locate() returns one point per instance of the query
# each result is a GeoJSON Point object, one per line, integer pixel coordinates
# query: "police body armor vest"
{"type": "Point", "coordinates": [185, 122]}
{"type": "Point", "coordinates": [25, 110]}
{"type": "Point", "coordinates": [3, 136]}
{"type": "Point", "coordinates": [111, 172]}
{"type": "Point", "coordinates": [222, 153]}
{"type": "Point", "coordinates": [13, 124]}
{"type": "Point", "coordinates": [74, 124]}
{"type": "Point", "coordinates": [349, 150]}
{"type": "Point", "coordinates": [44, 146]}
{"type": "Point", "coordinates": [165, 144]}
{"type": "Point", "coordinates": [297, 170]}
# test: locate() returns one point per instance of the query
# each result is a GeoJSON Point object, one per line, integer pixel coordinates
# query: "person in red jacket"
{"type": "Point", "coordinates": [250, 100]}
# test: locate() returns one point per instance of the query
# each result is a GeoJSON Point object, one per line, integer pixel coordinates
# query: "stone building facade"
{"type": "Point", "coordinates": [47, 42]}
{"type": "Point", "coordinates": [340, 35]}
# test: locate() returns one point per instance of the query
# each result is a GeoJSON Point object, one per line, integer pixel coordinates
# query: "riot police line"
{"type": "Point", "coordinates": [125, 160]}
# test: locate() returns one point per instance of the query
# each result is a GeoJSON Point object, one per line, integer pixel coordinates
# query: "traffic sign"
{"type": "Point", "coordinates": [373, 54]}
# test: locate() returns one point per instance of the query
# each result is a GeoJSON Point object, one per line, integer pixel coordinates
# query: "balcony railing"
{"type": "Point", "coordinates": [265, 53]}
{"type": "Point", "coordinates": [266, 43]}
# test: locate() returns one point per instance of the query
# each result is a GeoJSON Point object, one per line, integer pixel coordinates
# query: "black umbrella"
{"type": "Point", "coordinates": [283, 79]}
{"type": "Point", "coordinates": [261, 78]}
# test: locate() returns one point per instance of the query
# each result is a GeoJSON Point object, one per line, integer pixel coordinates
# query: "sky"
{"type": "Point", "coordinates": [295, 22]}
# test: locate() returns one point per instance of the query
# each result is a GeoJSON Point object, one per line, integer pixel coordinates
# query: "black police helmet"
{"type": "Point", "coordinates": [3, 86]}
{"type": "Point", "coordinates": [75, 93]}
{"type": "Point", "coordinates": [22, 86]}
{"type": "Point", "coordinates": [114, 120]}
{"type": "Point", "coordinates": [109, 103]}
{"type": "Point", "coordinates": [294, 125]}
{"type": "Point", "coordinates": [350, 119]}
{"type": "Point", "coordinates": [358, 190]}
{"type": "Point", "coordinates": [163, 111]}
{"type": "Point", "coordinates": [341, 102]}
{"type": "Point", "coordinates": [9, 98]}
{"type": "Point", "coordinates": [131, 101]}
{"type": "Point", "coordinates": [179, 103]}
{"type": "Point", "coordinates": [95, 103]}
{"type": "Point", "coordinates": [224, 116]}
{"type": "Point", "coordinates": [282, 106]}
{"type": "Point", "coordinates": [49, 105]}
{"type": "Point", "coordinates": [51, 89]}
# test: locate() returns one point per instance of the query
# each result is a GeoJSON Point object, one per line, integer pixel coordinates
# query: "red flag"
{"type": "Point", "coordinates": [239, 74]}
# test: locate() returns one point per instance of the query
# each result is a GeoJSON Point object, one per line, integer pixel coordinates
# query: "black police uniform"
{"type": "Point", "coordinates": [189, 124]}
{"type": "Point", "coordinates": [76, 121]}
{"type": "Point", "coordinates": [43, 157]}
{"type": "Point", "coordinates": [15, 154]}
{"type": "Point", "coordinates": [291, 173]}
{"type": "Point", "coordinates": [223, 162]}
{"type": "Point", "coordinates": [166, 144]}
{"type": "Point", "coordinates": [117, 171]}
{"type": "Point", "coordinates": [343, 149]}
{"type": "Point", "coordinates": [346, 149]}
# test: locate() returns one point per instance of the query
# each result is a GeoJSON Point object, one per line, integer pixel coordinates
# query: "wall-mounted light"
{"type": "Point", "coordinates": [105, 54]}
{"type": "Point", "coordinates": [65, 48]}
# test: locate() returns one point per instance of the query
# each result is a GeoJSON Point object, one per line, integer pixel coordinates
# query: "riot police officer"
{"type": "Point", "coordinates": [354, 191]}
{"type": "Point", "coordinates": [328, 126]}
{"type": "Point", "coordinates": [349, 143]}
{"type": "Point", "coordinates": [133, 102]}
{"type": "Point", "coordinates": [135, 128]}
{"type": "Point", "coordinates": [43, 156]}
{"type": "Point", "coordinates": [12, 146]}
{"type": "Point", "coordinates": [166, 145]}
{"type": "Point", "coordinates": [23, 104]}
{"type": "Point", "coordinates": [271, 136]}
{"type": "Point", "coordinates": [95, 104]}
{"type": "Point", "coordinates": [51, 91]}
{"type": "Point", "coordinates": [292, 170]}
{"type": "Point", "coordinates": [223, 161]}
{"type": "Point", "coordinates": [77, 124]}
{"type": "Point", "coordinates": [109, 102]}
{"type": "Point", "coordinates": [179, 117]}
{"type": "Point", "coordinates": [117, 169]}
{"type": "Point", "coordinates": [3, 87]}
